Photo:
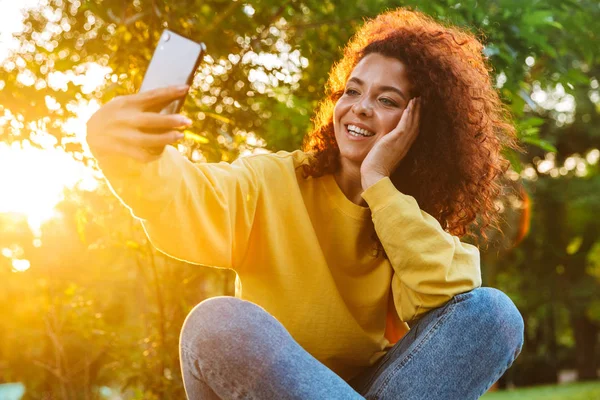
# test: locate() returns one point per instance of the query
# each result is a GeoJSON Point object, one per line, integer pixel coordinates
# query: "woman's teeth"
{"type": "Point", "coordinates": [356, 131]}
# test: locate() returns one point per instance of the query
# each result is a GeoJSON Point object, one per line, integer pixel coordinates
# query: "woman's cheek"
{"type": "Point", "coordinates": [337, 108]}
{"type": "Point", "coordinates": [398, 118]}
{"type": "Point", "coordinates": [393, 121]}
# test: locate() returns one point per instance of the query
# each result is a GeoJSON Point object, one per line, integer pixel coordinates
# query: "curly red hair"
{"type": "Point", "coordinates": [454, 166]}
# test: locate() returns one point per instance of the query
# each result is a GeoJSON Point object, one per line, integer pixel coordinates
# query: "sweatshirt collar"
{"type": "Point", "coordinates": [339, 199]}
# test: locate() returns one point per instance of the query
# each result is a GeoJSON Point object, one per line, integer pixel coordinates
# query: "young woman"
{"type": "Point", "coordinates": [342, 246]}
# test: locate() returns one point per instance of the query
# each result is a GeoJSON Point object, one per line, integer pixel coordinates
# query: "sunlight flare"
{"type": "Point", "coordinates": [32, 180]}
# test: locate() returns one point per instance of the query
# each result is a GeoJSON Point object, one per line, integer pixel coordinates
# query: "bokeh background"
{"type": "Point", "coordinates": [91, 311]}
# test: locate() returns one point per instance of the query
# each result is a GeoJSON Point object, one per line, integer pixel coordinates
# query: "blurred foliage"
{"type": "Point", "coordinates": [571, 391]}
{"type": "Point", "coordinates": [100, 307]}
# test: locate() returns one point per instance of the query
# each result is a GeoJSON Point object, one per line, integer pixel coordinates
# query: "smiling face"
{"type": "Point", "coordinates": [376, 94]}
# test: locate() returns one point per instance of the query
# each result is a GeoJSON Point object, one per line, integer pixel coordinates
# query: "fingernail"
{"type": "Point", "coordinates": [184, 120]}
{"type": "Point", "coordinates": [182, 88]}
{"type": "Point", "coordinates": [179, 136]}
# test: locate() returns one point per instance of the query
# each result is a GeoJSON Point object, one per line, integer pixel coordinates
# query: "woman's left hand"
{"type": "Point", "coordinates": [387, 153]}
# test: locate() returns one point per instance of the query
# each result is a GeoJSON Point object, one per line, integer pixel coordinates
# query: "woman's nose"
{"type": "Point", "coordinates": [363, 106]}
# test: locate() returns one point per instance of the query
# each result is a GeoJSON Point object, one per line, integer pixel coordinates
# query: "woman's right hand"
{"type": "Point", "coordinates": [127, 127]}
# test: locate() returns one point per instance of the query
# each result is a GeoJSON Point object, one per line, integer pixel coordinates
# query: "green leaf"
{"type": "Point", "coordinates": [529, 132]}
{"type": "Point", "coordinates": [541, 143]}
{"type": "Point", "coordinates": [538, 18]}
{"type": "Point", "coordinates": [513, 157]}
{"type": "Point", "coordinates": [531, 122]}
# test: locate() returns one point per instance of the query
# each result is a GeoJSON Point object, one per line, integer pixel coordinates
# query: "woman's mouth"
{"type": "Point", "coordinates": [356, 133]}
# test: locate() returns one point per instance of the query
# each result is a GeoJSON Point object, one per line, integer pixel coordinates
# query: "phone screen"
{"type": "Point", "coordinates": [173, 63]}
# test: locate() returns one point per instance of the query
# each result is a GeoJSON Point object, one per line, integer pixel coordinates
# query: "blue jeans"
{"type": "Point", "coordinates": [234, 349]}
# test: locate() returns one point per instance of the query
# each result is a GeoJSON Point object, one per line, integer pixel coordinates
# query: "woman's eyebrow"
{"type": "Point", "coordinates": [381, 88]}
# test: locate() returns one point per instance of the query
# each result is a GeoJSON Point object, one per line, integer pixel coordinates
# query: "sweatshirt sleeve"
{"type": "Point", "coordinates": [430, 265]}
{"type": "Point", "coordinates": [198, 213]}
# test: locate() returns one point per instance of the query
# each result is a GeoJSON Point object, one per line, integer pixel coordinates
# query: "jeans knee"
{"type": "Point", "coordinates": [212, 321]}
{"type": "Point", "coordinates": [501, 319]}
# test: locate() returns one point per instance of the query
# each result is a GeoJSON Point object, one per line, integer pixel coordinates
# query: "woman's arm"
{"type": "Point", "coordinates": [199, 213]}
{"type": "Point", "coordinates": [430, 265]}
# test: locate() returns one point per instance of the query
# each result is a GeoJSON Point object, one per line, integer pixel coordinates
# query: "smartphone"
{"type": "Point", "coordinates": [174, 62]}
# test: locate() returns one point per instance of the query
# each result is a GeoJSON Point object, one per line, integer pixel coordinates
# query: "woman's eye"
{"type": "Point", "coordinates": [388, 102]}
{"type": "Point", "coordinates": [351, 92]}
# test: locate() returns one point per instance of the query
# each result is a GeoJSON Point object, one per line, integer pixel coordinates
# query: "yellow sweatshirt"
{"type": "Point", "coordinates": [301, 249]}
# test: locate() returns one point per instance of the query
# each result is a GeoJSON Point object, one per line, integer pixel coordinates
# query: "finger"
{"type": "Point", "coordinates": [155, 97]}
{"type": "Point", "coordinates": [417, 109]}
{"type": "Point", "coordinates": [149, 120]}
{"type": "Point", "coordinates": [412, 109]}
{"type": "Point", "coordinates": [406, 130]}
{"type": "Point", "coordinates": [418, 115]}
{"type": "Point", "coordinates": [413, 123]}
{"type": "Point", "coordinates": [404, 119]}
{"type": "Point", "coordinates": [152, 140]}
{"type": "Point", "coordinates": [414, 113]}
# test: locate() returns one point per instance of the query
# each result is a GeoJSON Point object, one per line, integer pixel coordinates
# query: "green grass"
{"type": "Point", "coordinates": [573, 391]}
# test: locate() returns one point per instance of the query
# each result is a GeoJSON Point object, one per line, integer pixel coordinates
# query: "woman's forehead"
{"type": "Point", "coordinates": [380, 70]}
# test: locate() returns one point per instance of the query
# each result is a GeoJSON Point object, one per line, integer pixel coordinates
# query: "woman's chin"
{"type": "Point", "coordinates": [352, 158]}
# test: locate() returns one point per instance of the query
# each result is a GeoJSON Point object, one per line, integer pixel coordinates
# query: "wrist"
{"type": "Point", "coordinates": [368, 180]}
